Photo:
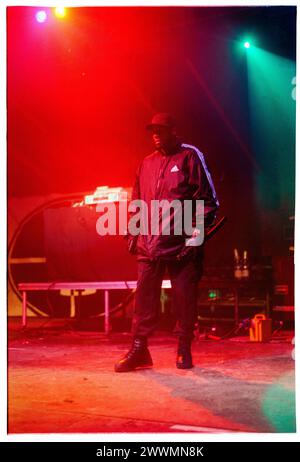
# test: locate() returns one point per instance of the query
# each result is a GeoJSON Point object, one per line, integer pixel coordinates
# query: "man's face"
{"type": "Point", "coordinates": [163, 137]}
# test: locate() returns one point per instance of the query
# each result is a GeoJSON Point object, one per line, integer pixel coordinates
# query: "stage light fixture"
{"type": "Point", "coordinates": [60, 11]}
{"type": "Point", "coordinates": [247, 44]}
{"type": "Point", "coordinates": [41, 16]}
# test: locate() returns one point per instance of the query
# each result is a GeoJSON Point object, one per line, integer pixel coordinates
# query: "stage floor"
{"type": "Point", "coordinates": [62, 381]}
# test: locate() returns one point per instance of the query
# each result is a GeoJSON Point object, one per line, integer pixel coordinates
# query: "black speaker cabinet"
{"type": "Point", "coordinates": [76, 252]}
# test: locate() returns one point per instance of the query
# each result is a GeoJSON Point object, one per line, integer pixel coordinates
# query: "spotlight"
{"type": "Point", "coordinates": [41, 16]}
{"type": "Point", "coordinates": [247, 44]}
{"type": "Point", "coordinates": [60, 11]}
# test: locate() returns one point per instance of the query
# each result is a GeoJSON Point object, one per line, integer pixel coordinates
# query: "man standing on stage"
{"type": "Point", "coordinates": [174, 171]}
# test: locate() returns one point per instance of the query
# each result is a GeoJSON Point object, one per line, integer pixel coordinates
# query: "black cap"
{"type": "Point", "coordinates": [162, 119]}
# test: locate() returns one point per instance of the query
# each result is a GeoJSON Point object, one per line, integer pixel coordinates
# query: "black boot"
{"type": "Point", "coordinates": [184, 356]}
{"type": "Point", "coordinates": [138, 356]}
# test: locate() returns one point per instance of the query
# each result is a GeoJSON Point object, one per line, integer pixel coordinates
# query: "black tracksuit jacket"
{"type": "Point", "coordinates": [180, 174]}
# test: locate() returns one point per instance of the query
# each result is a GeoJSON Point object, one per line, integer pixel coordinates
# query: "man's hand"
{"type": "Point", "coordinates": [196, 239]}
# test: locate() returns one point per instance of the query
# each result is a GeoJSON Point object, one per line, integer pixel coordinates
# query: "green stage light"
{"type": "Point", "coordinates": [247, 44]}
{"type": "Point", "coordinates": [272, 113]}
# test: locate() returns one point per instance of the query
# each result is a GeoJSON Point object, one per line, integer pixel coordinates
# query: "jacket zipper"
{"type": "Point", "coordinates": [161, 175]}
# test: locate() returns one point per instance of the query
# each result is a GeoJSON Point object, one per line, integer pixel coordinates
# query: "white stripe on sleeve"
{"type": "Point", "coordinates": [202, 160]}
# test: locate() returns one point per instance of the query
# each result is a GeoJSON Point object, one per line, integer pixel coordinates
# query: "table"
{"type": "Point", "coordinates": [106, 286]}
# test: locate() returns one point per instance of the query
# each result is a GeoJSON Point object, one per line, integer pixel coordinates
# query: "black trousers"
{"type": "Point", "coordinates": [185, 276]}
